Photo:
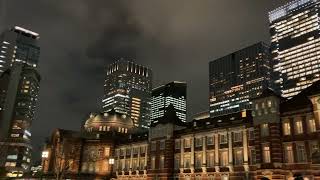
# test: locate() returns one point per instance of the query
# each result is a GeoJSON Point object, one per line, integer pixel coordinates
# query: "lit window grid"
{"type": "Point", "coordinates": [288, 8]}
{"type": "Point", "coordinates": [299, 66]}
{"type": "Point", "coordinates": [160, 102]}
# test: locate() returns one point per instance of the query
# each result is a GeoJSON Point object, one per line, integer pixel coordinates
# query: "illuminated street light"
{"type": "Point", "coordinates": [45, 154]}
{"type": "Point", "coordinates": [111, 161]}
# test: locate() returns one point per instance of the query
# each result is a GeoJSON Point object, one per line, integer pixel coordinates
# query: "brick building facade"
{"type": "Point", "coordinates": [278, 139]}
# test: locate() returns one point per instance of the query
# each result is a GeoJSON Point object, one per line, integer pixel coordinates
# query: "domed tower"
{"type": "Point", "coordinates": [108, 122]}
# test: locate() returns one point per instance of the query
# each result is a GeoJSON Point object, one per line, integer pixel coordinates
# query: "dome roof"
{"type": "Point", "coordinates": [111, 118]}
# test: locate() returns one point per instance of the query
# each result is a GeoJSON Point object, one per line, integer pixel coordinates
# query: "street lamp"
{"type": "Point", "coordinates": [111, 161]}
{"type": "Point", "coordinates": [45, 154]}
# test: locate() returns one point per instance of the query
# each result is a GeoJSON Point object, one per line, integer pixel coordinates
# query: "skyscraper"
{"type": "Point", "coordinates": [174, 93]}
{"type": "Point", "coordinates": [18, 45]}
{"type": "Point", "coordinates": [19, 88]}
{"type": "Point", "coordinates": [127, 89]}
{"type": "Point", "coordinates": [295, 45]}
{"type": "Point", "coordinates": [236, 78]}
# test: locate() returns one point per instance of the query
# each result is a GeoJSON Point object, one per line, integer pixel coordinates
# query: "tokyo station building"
{"type": "Point", "coordinates": [277, 139]}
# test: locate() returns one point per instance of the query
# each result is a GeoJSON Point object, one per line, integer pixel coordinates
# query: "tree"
{"type": "Point", "coordinates": [64, 159]}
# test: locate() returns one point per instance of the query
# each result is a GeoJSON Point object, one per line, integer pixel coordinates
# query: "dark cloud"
{"type": "Point", "coordinates": [176, 38]}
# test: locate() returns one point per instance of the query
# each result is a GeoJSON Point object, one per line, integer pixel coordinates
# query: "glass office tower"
{"type": "Point", "coordinates": [236, 78]}
{"type": "Point", "coordinates": [295, 45]}
{"type": "Point", "coordinates": [127, 89]}
{"type": "Point", "coordinates": [19, 89]}
{"type": "Point", "coordinates": [174, 93]}
{"type": "Point", "coordinates": [18, 45]}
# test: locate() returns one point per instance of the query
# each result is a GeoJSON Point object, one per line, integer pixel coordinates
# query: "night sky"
{"type": "Point", "coordinates": [176, 38]}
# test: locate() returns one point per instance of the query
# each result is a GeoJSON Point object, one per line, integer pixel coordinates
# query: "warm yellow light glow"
{"type": "Point", "coordinates": [111, 161]}
{"type": "Point", "coordinates": [45, 154]}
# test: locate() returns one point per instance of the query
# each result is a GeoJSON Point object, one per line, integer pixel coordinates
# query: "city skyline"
{"type": "Point", "coordinates": [72, 101]}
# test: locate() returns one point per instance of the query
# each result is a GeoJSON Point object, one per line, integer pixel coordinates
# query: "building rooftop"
{"type": "Point", "coordinates": [26, 32]}
{"type": "Point", "coordinates": [301, 100]}
{"type": "Point", "coordinates": [285, 9]}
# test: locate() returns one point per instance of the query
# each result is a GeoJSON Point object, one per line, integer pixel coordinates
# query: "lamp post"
{"type": "Point", "coordinates": [111, 162]}
{"type": "Point", "coordinates": [45, 156]}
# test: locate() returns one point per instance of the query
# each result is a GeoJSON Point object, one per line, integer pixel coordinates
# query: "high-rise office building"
{"type": "Point", "coordinates": [127, 90]}
{"type": "Point", "coordinates": [174, 93]}
{"type": "Point", "coordinates": [19, 88]}
{"type": "Point", "coordinates": [236, 78]}
{"type": "Point", "coordinates": [295, 45]}
{"type": "Point", "coordinates": [19, 95]}
{"type": "Point", "coordinates": [18, 45]}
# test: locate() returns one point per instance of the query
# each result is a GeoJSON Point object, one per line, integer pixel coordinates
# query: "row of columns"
{"type": "Point", "coordinates": [216, 152]}
{"type": "Point", "coordinates": [131, 160]}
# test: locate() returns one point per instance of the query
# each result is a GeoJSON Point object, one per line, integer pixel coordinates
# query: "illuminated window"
{"type": "Point", "coordinates": [161, 163]}
{"type": "Point", "coordinates": [209, 140]}
{"type": "Point", "coordinates": [237, 136]}
{"type": "Point", "coordinates": [153, 162]}
{"type": "Point", "coordinates": [187, 161]}
{"type": "Point", "coordinates": [312, 125]}
{"type": "Point", "coordinates": [286, 128]}
{"type": "Point", "coordinates": [224, 158]}
{"type": "Point", "coordinates": [187, 143]}
{"type": "Point", "coordinates": [127, 164]}
{"type": "Point", "coordinates": [15, 135]}
{"type": "Point", "coordinates": [298, 127]}
{"type": "Point", "coordinates": [269, 103]}
{"type": "Point", "coordinates": [141, 166]}
{"type": "Point", "coordinates": [264, 130]}
{"type": "Point", "coordinates": [257, 106]}
{"type": "Point", "coordinates": [12, 156]}
{"type": "Point", "coordinates": [10, 164]}
{"type": "Point", "coordinates": [288, 153]}
{"type": "Point", "coordinates": [135, 150]}
{"type": "Point", "coordinates": [314, 147]}
{"type": "Point", "coordinates": [177, 144]}
{"type": "Point", "coordinates": [198, 142]}
{"type": "Point", "coordinates": [266, 153]}
{"type": "Point", "coordinates": [238, 157]}
{"type": "Point", "coordinates": [128, 152]}
{"type": "Point", "coordinates": [223, 138]}
{"type": "Point", "coordinates": [301, 152]}
{"type": "Point", "coordinates": [142, 149]}
{"type": "Point", "coordinates": [198, 160]}
{"type": "Point", "coordinates": [210, 159]}
{"type": "Point", "coordinates": [134, 164]}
